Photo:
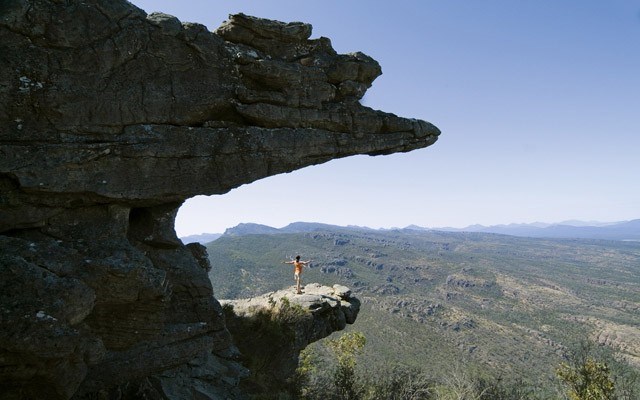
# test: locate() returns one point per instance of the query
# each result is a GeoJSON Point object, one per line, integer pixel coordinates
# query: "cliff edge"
{"type": "Point", "coordinates": [288, 323]}
{"type": "Point", "coordinates": [110, 118]}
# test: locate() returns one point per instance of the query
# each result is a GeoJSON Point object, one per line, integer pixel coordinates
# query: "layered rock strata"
{"type": "Point", "coordinates": [109, 119]}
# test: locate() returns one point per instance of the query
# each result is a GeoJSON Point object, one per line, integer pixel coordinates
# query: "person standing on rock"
{"type": "Point", "coordinates": [297, 271]}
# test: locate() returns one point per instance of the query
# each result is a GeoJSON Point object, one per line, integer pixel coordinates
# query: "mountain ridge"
{"type": "Point", "coordinates": [569, 229]}
{"type": "Point", "coordinates": [625, 230]}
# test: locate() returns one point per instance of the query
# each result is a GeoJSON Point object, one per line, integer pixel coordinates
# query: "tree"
{"type": "Point", "coordinates": [345, 349]}
{"type": "Point", "coordinates": [587, 378]}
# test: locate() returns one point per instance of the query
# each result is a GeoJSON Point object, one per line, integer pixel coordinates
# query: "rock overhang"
{"type": "Point", "coordinates": [142, 109]}
{"type": "Point", "coordinates": [110, 119]}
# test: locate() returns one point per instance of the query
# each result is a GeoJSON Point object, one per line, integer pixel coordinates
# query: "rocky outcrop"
{"type": "Point", "coordinates": [109, 119]}
{"type": "Point", "coordinates": [287, 323]}
{"type": "Point", "coordinates": [330, 309]}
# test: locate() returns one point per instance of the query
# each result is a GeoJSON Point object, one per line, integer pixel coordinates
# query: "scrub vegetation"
{"type": "Point", "coordinates": [460, 315]}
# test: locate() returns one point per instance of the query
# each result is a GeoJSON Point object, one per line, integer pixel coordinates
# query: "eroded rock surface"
{"type": "Point", "coordinates": [297, 321]}
{"type": "Point", "coordinates": [332, 308]}
{"type": "Point", "coordinates": [109, 119]}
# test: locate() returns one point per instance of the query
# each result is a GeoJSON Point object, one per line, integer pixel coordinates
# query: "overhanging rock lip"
{"type": "Point", "coordinates": [202, 128]}
{"type": "Point", "coordinates": [217, 154]}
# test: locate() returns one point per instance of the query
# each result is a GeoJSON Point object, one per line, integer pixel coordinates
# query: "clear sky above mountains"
{"type": "Point", "coordinates": [538, 103]}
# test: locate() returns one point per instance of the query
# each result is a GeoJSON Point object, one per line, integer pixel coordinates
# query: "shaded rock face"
{"type": "Point", "coordinates": [109, 119]}
{"type": "Point", "coordinates": [295, 321]}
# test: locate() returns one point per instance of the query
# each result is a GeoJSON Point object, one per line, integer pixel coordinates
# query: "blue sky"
{"type": "Point", "coordinates": [538, 103]}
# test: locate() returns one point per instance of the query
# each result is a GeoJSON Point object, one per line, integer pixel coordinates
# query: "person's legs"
{"type": "Point", "coordinates": [298, 290]}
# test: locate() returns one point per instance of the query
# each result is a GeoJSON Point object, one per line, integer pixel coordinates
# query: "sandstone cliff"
{"type": "Point", "coordinates": [109, 119]}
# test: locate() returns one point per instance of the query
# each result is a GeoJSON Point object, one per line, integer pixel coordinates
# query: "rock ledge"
{"type": "Point", "coordinates": [332, 307]}
{"type": "Point", "coordinates": [287, 323]}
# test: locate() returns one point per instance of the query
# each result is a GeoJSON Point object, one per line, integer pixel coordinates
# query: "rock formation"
{"type": "Point", "coordinates": [109, 119]}
{"type": "Point", "coordinates": [298, 320]}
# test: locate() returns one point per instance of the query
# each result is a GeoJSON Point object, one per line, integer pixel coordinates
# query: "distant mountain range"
{"type": "Point", "coordinates": [626, 230]}
{"type": "Point", "coordinates": [258, 229]}
{"type": "Point", "coordinates": [201, 238]}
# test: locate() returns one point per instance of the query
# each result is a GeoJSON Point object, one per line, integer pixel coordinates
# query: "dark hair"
{"type": "Point", "coordinates": [297, 258]}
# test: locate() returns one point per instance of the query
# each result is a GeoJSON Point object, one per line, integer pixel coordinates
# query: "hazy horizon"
{"type": "Point", "coordinates": [537, 103]}
{"type": "Point", "coordinates": [576, 223]}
